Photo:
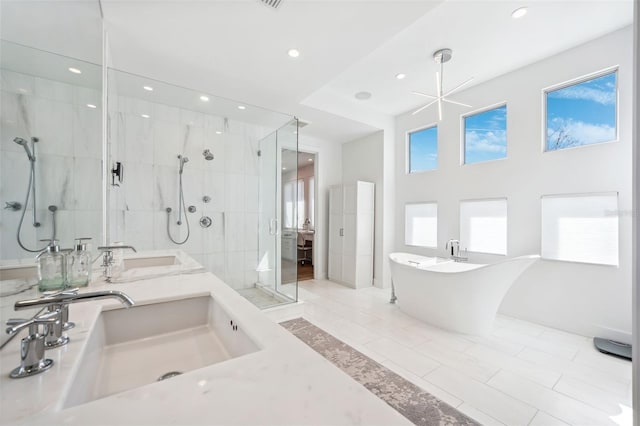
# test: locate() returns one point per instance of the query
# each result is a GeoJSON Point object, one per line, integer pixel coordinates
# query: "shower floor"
{"type": "Point", "coordinates": [263, 299]}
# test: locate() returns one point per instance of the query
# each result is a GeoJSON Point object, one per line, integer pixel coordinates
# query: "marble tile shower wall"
{"type": "Point", "coordinates": [68, 160]}
{"type": "Point", "coordinates": [148, 147]}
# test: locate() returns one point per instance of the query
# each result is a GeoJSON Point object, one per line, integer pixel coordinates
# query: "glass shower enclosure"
{"type": "Point", "coordinates": [277, 266]}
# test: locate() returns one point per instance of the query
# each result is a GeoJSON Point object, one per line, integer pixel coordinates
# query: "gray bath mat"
{"type": "Point", "coordinates": [417, 405]}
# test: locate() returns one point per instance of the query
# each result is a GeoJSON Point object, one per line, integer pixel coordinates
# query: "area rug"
{"type": "Point", "coordinates": [417, 405]}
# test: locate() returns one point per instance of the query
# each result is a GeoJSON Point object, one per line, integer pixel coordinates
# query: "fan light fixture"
{"type": "Point", "coordinates": [441, 56]}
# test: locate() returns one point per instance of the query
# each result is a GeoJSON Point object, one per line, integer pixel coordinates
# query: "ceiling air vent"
{"type": "Point", "coordinates": [273, 3]}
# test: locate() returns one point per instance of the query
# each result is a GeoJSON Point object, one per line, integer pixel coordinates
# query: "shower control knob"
{"type": "Point", "coordinates": [12, 205]}
{"type": "Point", "coordinates": [206, 199]}
{"type": "Point", "coordinates": [191, 209]}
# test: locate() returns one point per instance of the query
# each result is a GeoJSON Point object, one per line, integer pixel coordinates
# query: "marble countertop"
{"type": "Point", "coordinates": [284, 383]}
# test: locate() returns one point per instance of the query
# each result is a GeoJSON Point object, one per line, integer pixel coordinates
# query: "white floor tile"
{"type": "Point", "coordinates": [560, 406]}
{"type": "Point", "coordinates": [589, 394]}
{"type": "Point", "coordinates": [403, 356]}
{"type": "Point", "coordinates": [505, 378]}
{"type": "Point", "coordinates": [478, 415]}
{"type": "Point", "coordinates": [490, 401]}
{"type": "Point", "coordinates": [543, 419]}
{"type": "Point", "coordinates": [463, 363]}
{"type": "Point", "coordinates": [613, 384]}
{"type": "Point", "coordinates": [423, 384]}
{"type": "Point", "coordinates": [545, 376]}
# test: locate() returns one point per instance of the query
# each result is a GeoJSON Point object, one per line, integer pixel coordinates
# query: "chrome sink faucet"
{"type": "Point", "coordinates": [108, 260]}
{"type": "Point", "coordinates": [32, 360]}
{"type": "Point", "coordinates": [453, 249]}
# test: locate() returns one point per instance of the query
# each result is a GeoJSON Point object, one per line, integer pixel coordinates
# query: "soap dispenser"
{"type": "Point", "coordinates": [79, 265]}
{"type": "Point", "coordinates": [51, 267]}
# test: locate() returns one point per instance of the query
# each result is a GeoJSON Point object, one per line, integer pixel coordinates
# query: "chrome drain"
{"type": "Point", "coordinates": [169, 375]}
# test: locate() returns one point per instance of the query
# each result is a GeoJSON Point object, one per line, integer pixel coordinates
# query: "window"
{"type": "Point", "coordinates": [421, 225]}
{"type": "Point", "coordinates": [423, 150]}
{"type": "Point", "coordinates": [583, 113]}
{"type": "Point", "coordinates": [581, 228]}
{"type": "Point", "coordinates": [483, 226]}
{"type": "Point", "coordinates": [485, 135]}
{"type": "Point", "coordinates": [293, 204]}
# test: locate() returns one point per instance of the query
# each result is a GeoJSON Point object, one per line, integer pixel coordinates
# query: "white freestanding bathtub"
{"type": "Point", "coordinates": [462, 297]}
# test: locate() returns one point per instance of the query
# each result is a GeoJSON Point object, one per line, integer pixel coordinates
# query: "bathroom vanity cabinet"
{"type": "Point", "coordinates": [351, 219]}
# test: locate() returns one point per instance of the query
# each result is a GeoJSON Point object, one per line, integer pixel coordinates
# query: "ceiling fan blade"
{"type": "Point", "coordinates": [439, 108]}
{"type": "Point", "coordinates": [423, 107]}
{"type": "Point", "coordinates": [457, 103]}
{"type": "Point", "coordinates": [424, 94]}
{"type": "Point", "coordinates": [458, 87]}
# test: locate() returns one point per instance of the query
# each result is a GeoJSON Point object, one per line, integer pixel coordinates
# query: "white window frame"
{"type": "Point", "coordinates": [406, 229]}
{"type": "Point", "coordinates": [574, 82]}
{"type": "Point", "coordinates": [466, 244]}
{"type": "Point", "coordinates": [577, 195]}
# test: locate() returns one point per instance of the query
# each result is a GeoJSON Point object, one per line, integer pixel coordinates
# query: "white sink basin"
{"type": "Point", "coordinates": [150, 262]}
{"type": "Point", "coordinates": [129, 348]}
{"type": "Point", "coordinates": [16, 279]}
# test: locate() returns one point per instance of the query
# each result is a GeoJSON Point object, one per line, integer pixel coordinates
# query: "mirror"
{"type": "Point", "coordinates": [51, 126]}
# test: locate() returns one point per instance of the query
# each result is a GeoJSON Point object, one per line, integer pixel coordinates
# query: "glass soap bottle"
{"type": "Point", "coordinates": [79, 265]}
{"type": "Point", "coordinates": [51, 267]}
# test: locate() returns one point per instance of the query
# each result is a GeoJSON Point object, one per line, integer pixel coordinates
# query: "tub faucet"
{"type": "Point", "coordinates": [453, 249]}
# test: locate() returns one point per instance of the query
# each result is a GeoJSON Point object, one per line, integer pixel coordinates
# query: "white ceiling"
{"type": "Point", "coordinates": [238, 48]}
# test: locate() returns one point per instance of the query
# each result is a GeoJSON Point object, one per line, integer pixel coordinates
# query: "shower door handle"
{"type": "Point", "coordinates": [273, 227]}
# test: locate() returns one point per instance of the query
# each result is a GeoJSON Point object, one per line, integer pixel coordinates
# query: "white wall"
{"type": "Point", "coordinates": [328, 171]}
{"type": "Point", "coordinates": [362, 159]}
{"type": "Point", "coordinates": [148, 149]}
{"type": "Point", "coordinates": [68, 161]}
{"type": "Point", "coordinates": [587, 299]}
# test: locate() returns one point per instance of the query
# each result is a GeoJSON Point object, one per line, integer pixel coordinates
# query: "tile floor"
{"type": "Point", "coordinates": [522, 374]}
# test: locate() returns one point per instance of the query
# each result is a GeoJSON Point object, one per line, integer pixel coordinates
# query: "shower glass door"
{"type": "Point", "coordinates": [270, 219]}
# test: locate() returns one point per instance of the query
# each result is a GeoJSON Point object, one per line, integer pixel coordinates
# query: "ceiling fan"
{"type": "Point", "coordinates": [441, 56]}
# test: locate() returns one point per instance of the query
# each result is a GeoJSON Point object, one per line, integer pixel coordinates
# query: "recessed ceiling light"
{"type": "Point", "coordinates": [75, 70]}
{"type": "Point", "coordinates": [519, 12]}
{"type": "Point", "coordinates": [92, 106]}
{"type": "Point", "coordinates": [145, 116]}
{"type": "Point", "coordinates": [218, 132]}
{"type": "Point", "coordinates": [294, 53]}
{"type": "Point", "coordinates": [363, 96]}
{"type": "Point", "coordinates": [204, 98]}
{"type": "Point", "coordinates": [22, 90]}
{"type": "Point", "coordinates": [242, 107]}
{"type": "Point", "coordinates": [400, 76]}
{"type": "Point", "coordinates": [310, 159]}
{"type": "Point", "coordinates": [284, 168]}
{"type": "Point", "coordinates": [148, 88]}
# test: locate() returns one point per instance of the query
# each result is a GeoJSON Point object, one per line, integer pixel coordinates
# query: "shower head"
{"type": "Point", "coordinates": [25, 145]}
{"type": "Point", "coordinates": [182, 161]}
{"type": "Point", "coordinates": [208, 155]}
{"type": "Point", "coordinates": [53, 208]}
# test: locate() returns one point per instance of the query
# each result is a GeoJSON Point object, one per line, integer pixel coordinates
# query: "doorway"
{"type": "Point", "coordinates": [298, 208]}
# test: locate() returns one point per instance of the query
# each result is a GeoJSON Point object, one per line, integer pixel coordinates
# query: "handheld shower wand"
{"type": "Point", "coordinates": [181, 205]}
{"type": "Point", "coordinates": [31, 192]}
{"type": "Point", "coordinates": [25, 145]}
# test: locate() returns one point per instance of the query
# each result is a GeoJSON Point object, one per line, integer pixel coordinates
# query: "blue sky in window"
{"type": "Point", "coordinates": [485, 136]}
{"type": "Point", "coordinates": [423, 150]}
{"type": "Point", "coordinates": [582, 114]}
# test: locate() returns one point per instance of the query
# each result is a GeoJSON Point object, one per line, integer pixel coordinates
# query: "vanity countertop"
{"type": "Point", "coordinates": [284, 383]}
